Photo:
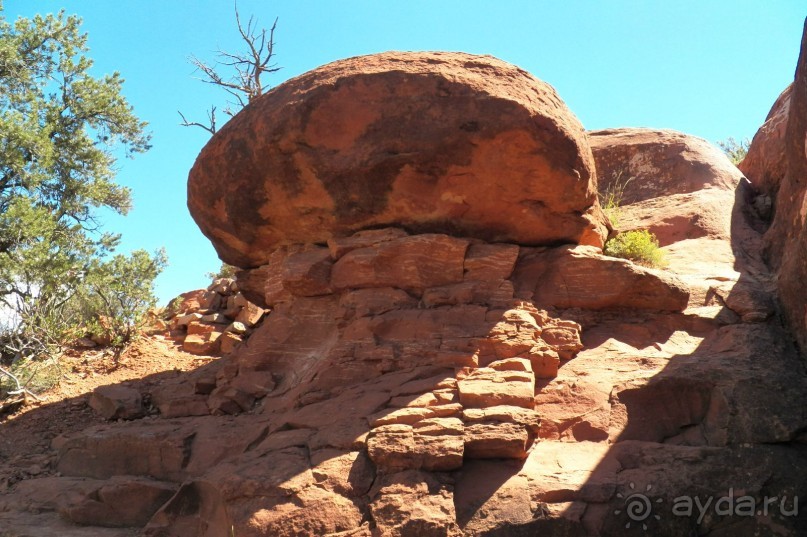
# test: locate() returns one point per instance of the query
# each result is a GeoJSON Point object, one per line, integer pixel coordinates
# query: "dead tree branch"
{"type": "Point", "coordinates": [247, 81]}
{"type": "Point", "coordinates": [210, 126]}
{"type": "Point", "coordinates": [21, 390]}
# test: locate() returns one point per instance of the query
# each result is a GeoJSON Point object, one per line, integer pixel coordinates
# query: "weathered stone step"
{"type": "Point", "coordinates": [63, 505]}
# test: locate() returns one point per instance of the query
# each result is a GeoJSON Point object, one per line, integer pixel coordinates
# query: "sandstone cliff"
{"type": "Point", "coordinates": [787, 237]}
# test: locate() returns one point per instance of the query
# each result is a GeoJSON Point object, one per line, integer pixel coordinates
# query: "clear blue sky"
{"type": "Point", "coordinates": [709, 68]}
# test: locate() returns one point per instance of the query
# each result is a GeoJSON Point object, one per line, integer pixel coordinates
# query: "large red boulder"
{"type": "Point", "coordinates": [432, 142]}
{"type": "Point", "coordinates": [676, 185]}
{"type": "Point", "coordinates": [651, 163]}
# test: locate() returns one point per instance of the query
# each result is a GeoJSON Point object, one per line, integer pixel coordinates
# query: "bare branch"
{"type": "Point", "coordinates": [245, 84]}
{"type": "Point", "coordinates": [211, 118]}
{"type": "Point", "coordinates": [21, 390]}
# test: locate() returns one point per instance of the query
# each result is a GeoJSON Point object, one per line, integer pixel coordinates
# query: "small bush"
{"type": "Point", "coordinates": [639, 246]}
{"type": "Point", "coordinates": [611, 199]}
{"type": "Point", "coordinates": [35, 376]}
{"type": "Point", "coordinates": [117, 295]}
{"type": "Point", "coordinates": [734, 149]}
{"type": "Point", "coordinates": [225, 271]}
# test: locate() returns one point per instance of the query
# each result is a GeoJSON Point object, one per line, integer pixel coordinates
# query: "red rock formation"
{"type": "Point", "coordinates": [417, 384]}
{"type": "Point", "coordinates": [787, 237]}
{"type": "Point", "coordinates": [579, 277]}
{"type": "Point", "coordinates": [766, 162]}
{"type": "Point", "coordinates": [677, 186]}
{"type": "Point", "coordinates": [441, 142]}
{"type": "Point", "coordinates": [213, 321]}
{"type": "Point", "coordinates": [417, 360]}
{"type": "Point", "coordinates": [777, 165]}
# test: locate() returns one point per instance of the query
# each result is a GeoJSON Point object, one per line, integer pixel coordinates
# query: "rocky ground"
{"type": "Point", "coordinates": [27, 434]}
{"type": "Point", "coordinates": [417, 381]}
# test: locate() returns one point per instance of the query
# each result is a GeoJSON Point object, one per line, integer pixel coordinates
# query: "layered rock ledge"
{"type": "Point", "coordinates": [497, 376]}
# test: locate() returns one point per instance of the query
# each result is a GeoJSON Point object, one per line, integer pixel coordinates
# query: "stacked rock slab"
{"type": "Point", "coordinates": [405, 355]}
{"type": "Point", "coordinates": [212, 321]}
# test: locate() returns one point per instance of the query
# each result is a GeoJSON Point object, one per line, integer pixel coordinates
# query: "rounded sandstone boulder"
{"type": "Point", "coordinates": [652, 163]}
{"type": "Point", "coordinates": [432, 142]}
{"type": "Point", "coordinates": [673, 184]}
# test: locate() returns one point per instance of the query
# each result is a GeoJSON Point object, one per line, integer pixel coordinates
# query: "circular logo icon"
{"type": "Point", "coordinates": [637, 506]}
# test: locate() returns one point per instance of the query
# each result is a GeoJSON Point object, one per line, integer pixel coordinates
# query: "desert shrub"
{"type": "Point", "coordinates": [611, 198]}
{"type": "Point", "coordinates": [639, 246]}
{"type": "Point", "coordinates": [225, 271]}
{"type": "Point", "coordinates": [734, 149]}
{"type": "Point", "coordinates": [117, 295]}
{"type": "Point", "coordinates": [33, 376]}
{"type": "Point", "coordinates": [110, 301]}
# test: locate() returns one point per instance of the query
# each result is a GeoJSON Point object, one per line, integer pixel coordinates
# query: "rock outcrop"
{"type": "Point", "coordinates": [787, 238]}
{"type": "Point", "coordinates": [676, 185]}
{"type": "Point", "coordinates": [579, 277]}
{"type": "Point", "coordinates": [776, 165]}
{"type": "Point", "coordinates": [431, 142]}
{"type": "Point", "coordinates": [212, 321]}
{"type": "Point", "coordinates": [765, 164]}
{"type": "Point", "coordinates": [420, 382]}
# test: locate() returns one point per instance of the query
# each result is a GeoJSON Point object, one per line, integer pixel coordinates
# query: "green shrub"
{"type": "Point", "coordinates": [639, 246]}
{"type": "Point", "coordinates": [117, 294]}
{"type": "Point", "coordinates": [225, 271]}
{"type": "Point", "coordinates": [734, 149]}
{"type": "Point", "coordinates": [110, 300]}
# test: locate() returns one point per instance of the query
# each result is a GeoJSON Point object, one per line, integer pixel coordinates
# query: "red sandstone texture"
{"type": "Point", "coordinates": [765, 165]}
{"type": "Point", "coordinates": [419, 382]}
{"type": "Point", "coordinates": [676, 186]}
{"type": "Point", "coordinates": [429, 141]}
{"type": "Point", "coordinates": [211, 321]}
{"type": "Point", "coordinates": [786, 240]}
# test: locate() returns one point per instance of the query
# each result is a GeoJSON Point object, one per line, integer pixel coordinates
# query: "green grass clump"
{"type": "Point", "coordinates": [611, 199]}
{"type": "Point", "coordinates": [639, 246]}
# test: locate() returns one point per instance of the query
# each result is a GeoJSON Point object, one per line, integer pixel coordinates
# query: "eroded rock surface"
{"type": "Point", "coordinates": [212, 321]}
{"type": "Point", "coordinates": [475, 413]}
{"type": "Point", "coordinates": [428, 141]}
{"type": "Point", "coordinates": [786, 239]}
{"type": "Point", "coordinates": [765, 164]}
{"type": "Point", "coordinates": [407, 383]}
{"type": "Point", "coordinates": [677, 186]}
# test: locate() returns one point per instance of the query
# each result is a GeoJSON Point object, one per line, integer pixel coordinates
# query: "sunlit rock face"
{"type": "Point", "coordinates": [765, 164]}
{"type": "Point", "coordinates": [418, 357]}
{"type": "Point", "coordinates": [428, 141]}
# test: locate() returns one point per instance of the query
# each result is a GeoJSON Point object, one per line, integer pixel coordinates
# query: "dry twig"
{"type": "Point", "coordinates": [245, 84]}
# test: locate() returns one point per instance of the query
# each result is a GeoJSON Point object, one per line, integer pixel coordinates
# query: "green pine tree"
{"type": "Point", "coordinates": [61, 132]}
